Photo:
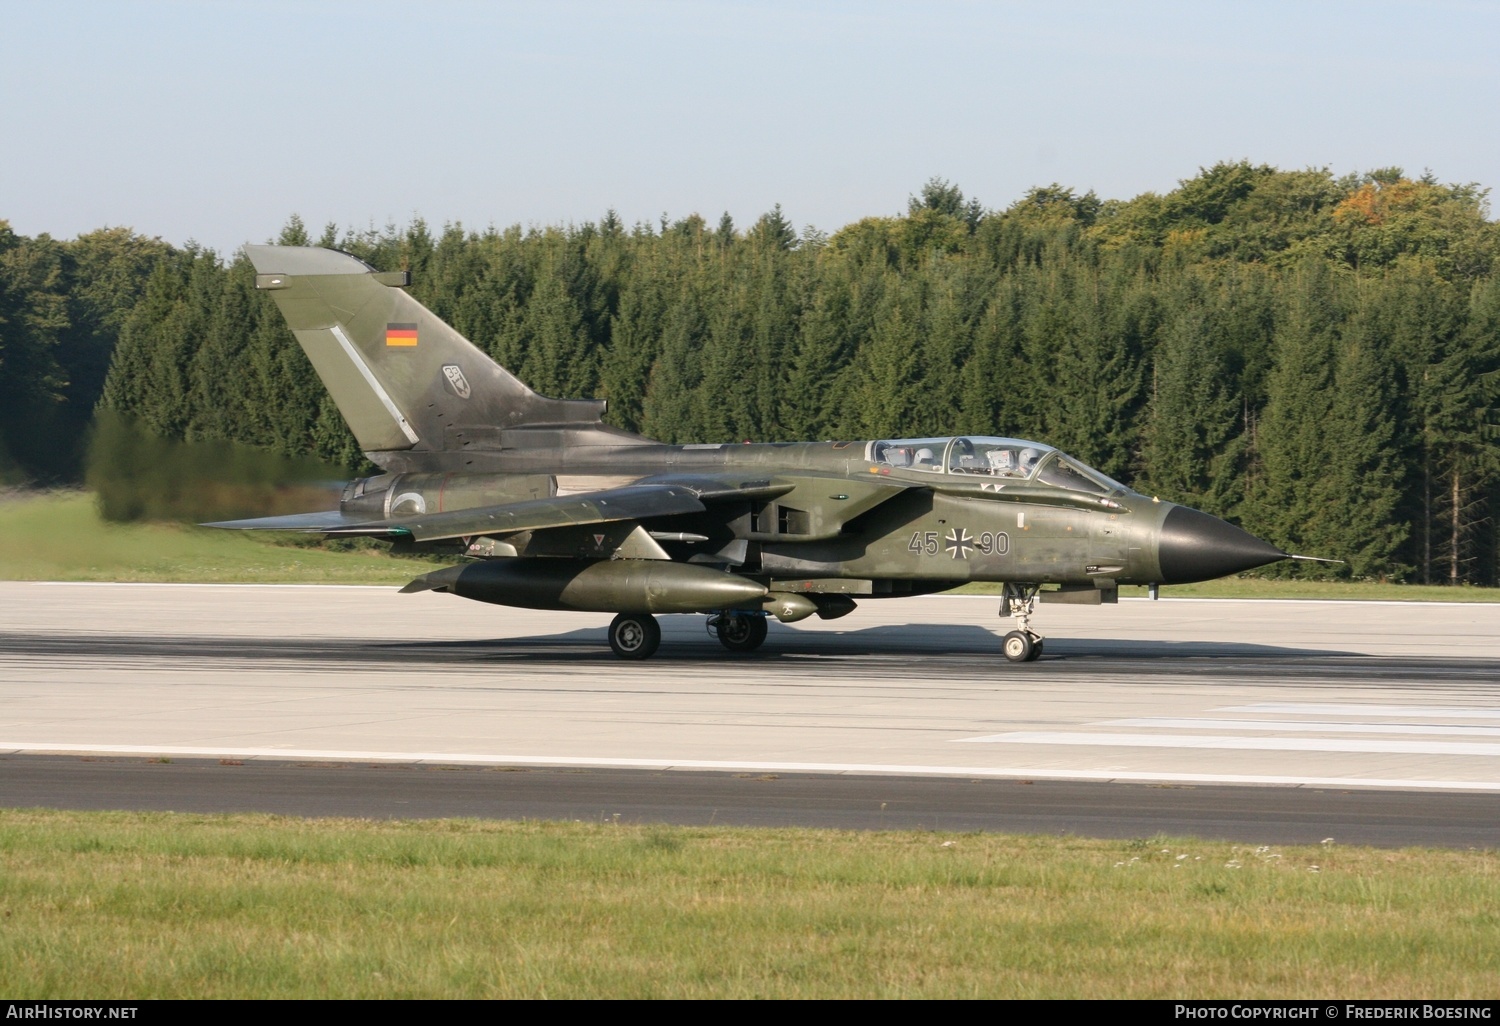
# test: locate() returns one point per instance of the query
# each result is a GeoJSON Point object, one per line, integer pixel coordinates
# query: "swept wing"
{"type": "Point", "coordinates": [662, 498]}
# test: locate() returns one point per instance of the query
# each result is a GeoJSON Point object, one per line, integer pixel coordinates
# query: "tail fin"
{"type": "Point", "coordinates": [402, 378]}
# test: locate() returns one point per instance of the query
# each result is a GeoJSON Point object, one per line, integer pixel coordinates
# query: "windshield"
{"type": "Point", "coordinates": [1065, 472]}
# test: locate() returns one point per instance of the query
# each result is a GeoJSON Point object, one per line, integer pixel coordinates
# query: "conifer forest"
{"type": "Point", "coordinates": [1314, 357]}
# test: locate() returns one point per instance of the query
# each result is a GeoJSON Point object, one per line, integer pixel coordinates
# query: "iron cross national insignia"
{"type": "Point", "coordinates": [958, 543]}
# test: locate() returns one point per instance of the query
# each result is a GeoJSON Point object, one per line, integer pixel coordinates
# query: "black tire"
{"type": "Point", "coordinates": [1036, 650]}
{"type": "Point", "coordinates": [1018, 647]}
{"type": "Point", "coordinates": [740, 632]}
{"type": "Point", "coordinates": [634, 635]}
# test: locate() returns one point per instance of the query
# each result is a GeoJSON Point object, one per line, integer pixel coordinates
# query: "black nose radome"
{"type": "Point", "coordinates": [1197, 547]}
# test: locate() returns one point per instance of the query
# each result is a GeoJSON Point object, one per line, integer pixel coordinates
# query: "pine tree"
{"type": "Point", "coordinates": [33, 319]}
{"type": "Point", "coordinates": [827, 335]}
{"type": "Point", "coordinates": [635, 344]}
{"type": "Point", "coordinates": [560, 359]}
{"type": "Point", "coordinates": [886, 373]}
{"type": "Point", "coordinates": [669, 410]}
{"type": "Point", "coordinates": [1292, 452]}
{"type": "Point", "coordinates": [1357, 493]}
{"type": "Point", "coordinates": [1085, 340]}
{"type": "Point", "coordinates": [1191, 446]}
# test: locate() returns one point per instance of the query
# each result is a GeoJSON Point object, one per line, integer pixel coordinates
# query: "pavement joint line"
{"type": "Point", "coordinates": [747, 766]}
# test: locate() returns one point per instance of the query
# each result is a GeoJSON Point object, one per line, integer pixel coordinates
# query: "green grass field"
{"type": "Point", "coordinates": [162, 906]}
{"type": "Point", "coordinates": [59, 536]}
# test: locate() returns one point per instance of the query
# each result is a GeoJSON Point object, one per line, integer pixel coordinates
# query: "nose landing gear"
{"type": "Point", "coordinates": [1018, 601]}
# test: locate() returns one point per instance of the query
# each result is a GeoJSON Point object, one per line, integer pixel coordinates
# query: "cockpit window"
{"type": "Point", "coordinates": [910, 453]}
{"type": "Point", "coordinates": [992, 458]}
{"type": "Point", "coordinates": [995, 457]}
{"type": "Point", "coordinates": [1064, 472]}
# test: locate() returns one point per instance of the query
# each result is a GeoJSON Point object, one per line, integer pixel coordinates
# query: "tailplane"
{"type": "Point", "coordinates": [405, 381]}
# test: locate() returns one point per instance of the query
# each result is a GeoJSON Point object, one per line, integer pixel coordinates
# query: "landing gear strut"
{"type": "Point", "coordinates": [634, 635]}
{"type": "Point", "coordinates": [1018, 601]}
{"type": "Point", "coordinates": [738, 631]}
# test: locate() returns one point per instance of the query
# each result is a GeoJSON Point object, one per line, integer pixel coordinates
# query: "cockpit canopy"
{"type": "Point", "coordinates": [994, 459]}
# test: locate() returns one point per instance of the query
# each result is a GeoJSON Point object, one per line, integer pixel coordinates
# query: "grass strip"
{"type": "Point", "coordinates": [59, 536]}
{"type": "Point", "coordinates": [165, 906]}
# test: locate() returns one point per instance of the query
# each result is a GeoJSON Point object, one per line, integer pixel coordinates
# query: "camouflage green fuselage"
{"type": "Point", "coordinates": [845, 523]}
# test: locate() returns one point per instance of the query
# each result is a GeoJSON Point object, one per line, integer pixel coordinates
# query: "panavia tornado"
{"type": "Point", "coordinates": [550, 508]}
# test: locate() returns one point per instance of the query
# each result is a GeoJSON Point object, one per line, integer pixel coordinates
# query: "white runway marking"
{"type": "Point", "coordinates": [1292, 726]}
{"type": "Point", "coordinates": [1323, 709]}
{"type": "Point", "coordinates": [1264, 744]}
{"type": "Point", "coordinates": [725, 765]}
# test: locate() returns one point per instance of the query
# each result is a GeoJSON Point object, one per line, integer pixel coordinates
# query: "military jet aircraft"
{"type": "Point", "coordinates": [553, 509]}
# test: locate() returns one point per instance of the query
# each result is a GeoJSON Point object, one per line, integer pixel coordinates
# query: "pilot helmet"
{"type": "Point", "coordinates": [924, 455]}
{"type": "Point", "coordinates": [1029, 458]}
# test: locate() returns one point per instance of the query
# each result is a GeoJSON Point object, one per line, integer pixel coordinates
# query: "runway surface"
{"type": "Point", "coordinates": [1396, 704]}
{"type": "Point", "coordinates": [1255, 815]}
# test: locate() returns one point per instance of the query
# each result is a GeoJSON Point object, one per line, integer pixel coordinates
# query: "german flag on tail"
{"type": "Point", "coordinates": [400, 334]}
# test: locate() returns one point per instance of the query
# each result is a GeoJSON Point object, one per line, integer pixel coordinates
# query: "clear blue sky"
{"type": "Point", "coordinates": [214, 121]}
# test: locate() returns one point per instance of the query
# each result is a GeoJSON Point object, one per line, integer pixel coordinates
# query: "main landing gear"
{"type": "Point", "coordinates": [738, 631]}
{"type": "Point", "coordinates": [634, 635]}
{"type": "Point", "coordinates": [637, 635]}
{"type": "Point", "coordinates": [1018, 601]}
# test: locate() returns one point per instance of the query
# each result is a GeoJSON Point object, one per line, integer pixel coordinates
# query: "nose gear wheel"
{"type": "Point", "coordinates": [1018, 601]}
